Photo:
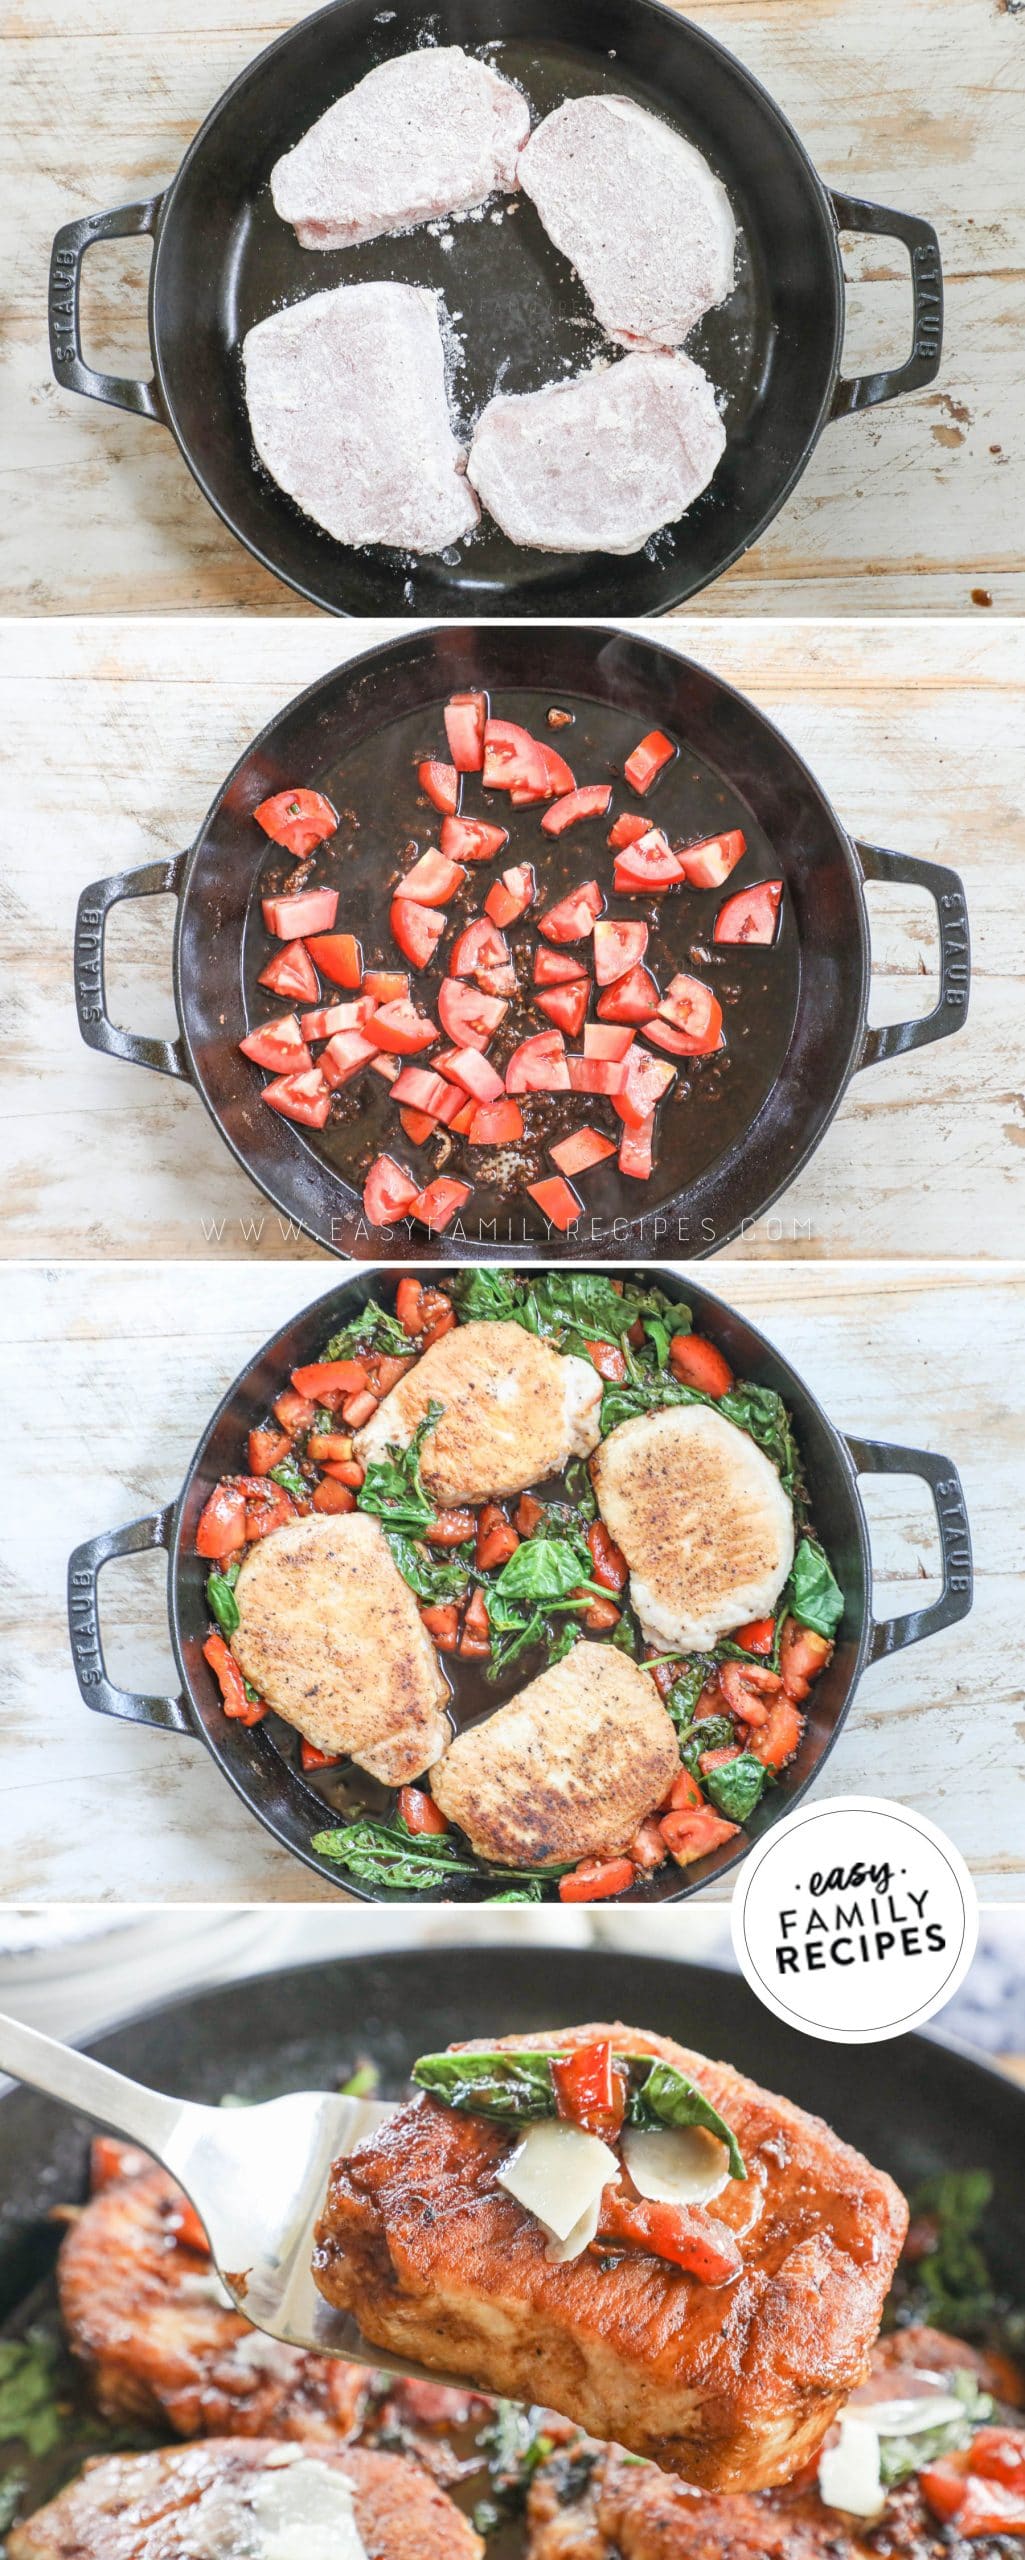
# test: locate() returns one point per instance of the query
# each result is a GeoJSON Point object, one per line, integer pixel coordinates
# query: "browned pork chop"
{"type": "Point", "coordinates": [218, 2500]}
{"type": "Point", "coordinates": [430, 132]}
{"type": "Point", "coordinates": [566, 1770]}
{"type": "Point", "coordinates": [731, 2386]}
{"type": "Point", "coordinates": [330, 1634]}
{"type": "Point", "coordinates": [599, 463]}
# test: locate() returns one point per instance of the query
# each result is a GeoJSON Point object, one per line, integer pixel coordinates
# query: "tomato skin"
{"type": "Point", "coordinates": [998, 2453]}
{"type": "Point", "coordinates": [560, 778]}
{"type": "Point", "coordinates": [469, 1018]}
{"type": "Point", "coordinates": [590, 2092]}
{"type": "Point", "coordinates": [609, 1362]}
{"type": "Point", "coordinates": [758, 1636]}
{"type": "Point", "coordinates": [304, 1097]}
{"type": "Point", "coordinates": [268, 1506]}
{"type": "Point", "coordinates": [496, 1124]}
{"type": "Point", "coordinates": [539, 1065]}
{"type": "Point", "coordinates": [751, 915]}
{"type": "Point", "coordinates": [475, 1074]}
{"type": "Point", "coordinates": [222, 1523]}
{"type": "Point", "coordinates": [442, 1622]}
{"type": "Point", "coordinates": [629, 998]}
{"type": "Point", "coordinates": [746, 1686]}
{"type": "Point", "coordinates": [649, 863]}
{"type": "Point", "coordinates": [617, 948]}
{"type": "Point", "coordinates": [509, 897]}
{"type": "Point", "coordinates": [475, 1637]}
{"type": "Point", "coordinates": [685, 1794]}
{"type": "Point", "coordinates": [471, 839]}
{"type": "Point", "coordinates": [776, 1741]}
{"type": "Point", "coordinates": [326, 1019]}
{"type": "Point", "coordinates": [686, 2235]}
{"type": "Point", "coordinates": [417, 930]}
{"type": "Point", "coordinates": [231, 1684]}
{"type": "Point", "coordinates": [681, 1044]}
{"type": "Point", "coordinates": [803, 1654]}
{"type": "Point", "coordinates": [647, 1848]}
{"type": "Point", "coordinates": [497, 1540]}
{"type": "Point", "coordinates": [311, 1758]}
{"type": "Point", "coordinates": [329, 1381]}
{"type": "Point", "coordinates": [707, 865]}
{"type": "Point", "coordinates": [388, 1192]}
{"type": "Point", "coordinates": [648, 757]}
{"type": "Point", "coordinates": [636, 1148]}
{"type": "Point", "coordinates": [597, 1075]}
{"type": "Point", "coordinates": [418, 1308]}
{"type": "Point", "coordinates": [438, 1204]}
{"type": "Point", "coordinates": [597, 1879]}
{"type": "Point", "coordinates": [420, 1813]}
{"type": "Point", "coordinates": [689, 1836]}
{"type": "Point", "coordinates": [528, 1514]}
{"type": "Point", "coordinates": [696, 1362]}
{"type": "Point", "coordinates": [441, 784]}
{"type": "Point", "coordinates": [572, 918]}
{"type": "Point", "coordinates": [465, 721]}
{"type": "Point", "coordinates": [626, 830]}
{"type": "Point", "coordinates": [433, 880]}
{"type": "Point", "coordinates": [647, 1079]}
{"type": "Point", "coordinates": [400, 1029]}
{"type": "Point", "coordinates": [338, 956]}
{"type": "Point", "coordinates": [559, 1205]}
{"type": "Point", "coordinates": [608, 1563]}
{"type": "Point", "coordinates": [513, 760]}
{"type": "Point", "coordinates": [299, 820]}
{"type": "Point", "coordinates": [291, 973]}
{"type": "Point", "coordinates": [346, 1053]}
{"type": "Point", "coordinates": [306, 911]}
{"type": "Point", "coordinates": [566, 1005]}
{"type": "Point", "coordinates": [425, 1090]}
{"type": "Point", "coordinates": [266, 1450]}
{"type": "Point", "coordinates": [591, 802]}
{"type": "Point", "coordinates": [479, 946]}
{"type": "Point", "coordinates": [330, 1496]}
{"type": "Point", "coordinates": [690, 1006]}
{"type": "Point", "coordinates": [577, 1153]}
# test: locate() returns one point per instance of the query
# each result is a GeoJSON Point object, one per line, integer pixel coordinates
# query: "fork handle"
{"type": "Point", "coordinates": [142, 2115]}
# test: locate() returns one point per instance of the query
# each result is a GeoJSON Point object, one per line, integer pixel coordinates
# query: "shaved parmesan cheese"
{"type": "Point", "coordinates": [305, 2513]}
{"type": "Point", "coordinates": [559, 2252]}
{"type": "Point", "coordinates": [683, 2165]}
{"type": "Point", "coordinates": [914, 2417]}
{"type": "Point", "coordinates": [558, 2174]}
{"type": "Point", "coordinates": [849, 2472]}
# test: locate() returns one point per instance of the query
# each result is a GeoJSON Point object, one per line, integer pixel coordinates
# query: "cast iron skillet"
{"type": "Point", "coordinates": [222, 260]}
{"type": "Point", "coordinates": [274, 1789]}
{"type": "Point", "coordinates": [751, 778]}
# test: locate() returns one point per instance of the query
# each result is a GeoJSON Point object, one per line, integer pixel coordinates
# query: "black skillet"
{"type": "Point", "coordinates": [222, 260]}
{"type": "Point", "coordinates": [254, 1758]}
{"type": "Point", "coordinates": [729, 1142]}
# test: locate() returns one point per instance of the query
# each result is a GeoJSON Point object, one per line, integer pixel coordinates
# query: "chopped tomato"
{"type": "Point", "coordinates": [599, 1615]}
{"type": "Point", "coordinates": [344, 1055]}
{"type": "Point", "coordinates": [608, 1563]}
{"type": "Point", "coordinates": [577, 1153]}
{"type": "Point", "coordinates": [690, 1006]}
{"type": "Point", "coordinates": [388, 1192]}
{"type": "Point", "coordinates": [304, 1097]}
{"type": "Point", "coordinates": [627, 830]}
{"type": "Point", "coordinates": [328, 1445]}
{"type": "Point", "coordinates": [707, 865]}
{"type": "Point", "coordinates": [696, 1362]}
{"type": "Point", "coordinates": [421, 1087]}
{"type": "Point", "coordinates": [647, 760]}
{"type": "Point", "coordinates": [607, 1359]}
{"type": "Point", "coordinates": [471, 839]}
{"type": "Point", "coordinates": [590, 2092]}
{"type": "Point", "coordinates": [759, 1634]}
{"type": "Point", "coordinates": [437, 1206]}
{"type": "Point", "coordinates": [441, 783]}
{"type": "Point", "coordinates": [694, 1835]}
{"type": "Point", "coordinates": [591, 802]}
{"type": "Point", "coordinates": [479, 946]}
{"type": "Point", "coordinates": [385, 1067]}
{"type": "Point", "coordinates": [596, 1075]}
{"type": "Point", "coordinates": [385, 1368]}
{"type": "Point", "coordinates": [555, 968]}
{"type": "Point", "coordinates": [419, 1812]}
{"type": "Point", "coordinates": [751, 915]}
{"type": "Point", "coordinates": [560, 778]}
{"type": "Point", "coordinates": [358, 1409]}
{"type": "Point", "coordinates": [266, 1450]}
{"type": "Point", "coordinates": [647, 1848]}
{"type": "Point", "coordinates": [268, 1506]}
{"type": "Point", "coordinates": [297, 819]}
{"type": "Point", "coordinates": [496, 1124]}
{"type": "Point", "coordinates": [685, 1794]}
{"type": "Point", "coordinates": [746, 1687]}
{"type": "Point", "coordinates": [330, 1496]}
{"type": "Point", "coordinates": [418, 1308]}
{"type": "Point", "coordinates": [649, 863]}
{"type": "Point", "coordinates": [802, 1655]}
{"type": "Point", "coordinates": [307, 911]}
{"type": "Point", "coordinates": [278, 1045]}
{"type": "Point", "coordinates": [710, 1760]}
{"type": "Point", "coordinates": [294, 1412]}
{"type": "Point", "coordinates": [338, 956]}
{"type": "Point", "coordinates": [328, 1381]}
{"type": "Point", "coordinates": [608, 1040]}
{"type": "Point", "coordinates": [596, 1880]}
{"type": "Point", "coordinates": [291, 973]}
{"type": "Point", "coordinates": [636, 1149]}
{"type": "Point", "coordinates": [231, 1684]}
{"type": "Point", "coordinates": [311, 1758]}
{"type": "Point", "coordinates": [433, 880]}
{"type": "Point", "coordinates": [647, 1079]}
{"type": "Point", "coordinates": [630, 998]}
{"type": "Point", "coordinates": [572, 918]}
{"type": "Point", "coordinates": [617, 948]}
{"type": "Point", "coordinates": [557, 1203]}
{"type": "Point", "coordinates": [508, 898]}
{"type": "Point", "coordinates": [326, 1019]}
{"type": "Point", "coordinates": [989, 2508]}
{"type": "Point", "coordinates": [475, 1636]}
{"type": "Point", "coordinates": [529, 1513]}
{"type": "Point", "coordinates": [513, 760]}
{"type": "Point", "coordinates": [400, 1029]}
{"type": "Point", "coordinates": [497, 1540]}
{"type": "Point", "coordinates": [417, 929]}
{"type": "Point", "coordinates": [776, 1741]}
{"type": "Point", "coordinates": [222, 1523]}
{"type": "Point", "coordinates": [384, 986]}
{"type": "Point", "coordinates": [465, 721]}
{"type": "Point", "coordinates": [442, 1622]}
{"type": "Point", "coordinates": [539, 1065]}
{"type": "Point", "coordinates": [470, 1018]}
{"type": "Point", "coordinates": [998, 2453]}
{"type": "Point", "coordinates": [566, 1005]}
{"type": "Point", "coordinates": [680, 1044]}
{"type": "Point", "coordinates": [475, 1074]}
{"type": "Point", "coordinates": [687, 2235]}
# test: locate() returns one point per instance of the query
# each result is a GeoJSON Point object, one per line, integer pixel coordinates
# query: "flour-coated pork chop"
{"type": "Point", "coordinates": [349, 411]}
{"type": "Point", "coordinates": [331, 1636]}
{"type": "Point", "coordinates": [639, 214]}
{"type": "Point", "coordinates": [513, 1412]}
{"type": "Point", "coordinates": [703, 1521]}
{"type": "Point", "coordinates": [232, 2500]}
{"type": "Point", "coordinates": [431, 132]}
{"type": "Point", "coordinates": [731, 2385]}
{"type": "Point", "coordinates": [566, 1770]}
{"type": "Point", "coordinates": [601, 462]}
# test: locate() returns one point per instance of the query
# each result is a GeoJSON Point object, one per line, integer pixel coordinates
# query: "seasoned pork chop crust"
{"type": "Point", "coordinates": [514, 1411]}
{"type": "Point", "coordinates": [702, 1519]}
{"type": "Point", "coordinates": [566, 1770]}
{"type": "Point", "coordinates": [143, 2314]}
{"type": "Point", "coordinates": [731, 2386]}
{"type": "Point", "coordinates": [637, 211]}
{"type": "Point", "coordinates": [331, 1636]}
{"type": "Point", "coordinates": [601, 462]}
{"type": "Point", "coordinates": [194, 2503]}
{"type": "Point", "coordinates": [430, 132]}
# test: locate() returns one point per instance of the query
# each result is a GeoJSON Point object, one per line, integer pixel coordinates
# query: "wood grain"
{"type": "Point", "coordinates": [911, 507]}
{"type": "Point", "coordinates": [111, 1375]}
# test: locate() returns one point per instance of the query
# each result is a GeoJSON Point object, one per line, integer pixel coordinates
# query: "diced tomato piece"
{"type": "Point", "coordinates": [686, 2235]}
{"type": "Point", "coordinates": [627, 830]}
{"type": "Point", "coordinates": [419, 1309]}
{"type": "Point", "coordinates": [528, 1514]}
{"type": "Point", "coordinates": [332, 1497]}
{"type": "Point", "coordinates": [465, 720]}
{"type": "Point", "coordinates": [694, 1835]}
{"type": "Point", "coordinates": [591, 802]}
{"type": "Point", "coordinates": [358, 1409]}
{"type": "Point", "coordinates": [707, 865]}
{"type": "Point", "coordinates": [750, 916]}
{"type": "Point", "coordinates": [596, 1075]}
{"type": "Point", "coordinates": [698, 1363]}
{"type": "Point", "coordinates": [345, 1471]}
{"type": "Point", "coordinates": [311, 1758]}
{"type": "Point", "coordinates": [496, 1124]}
{"type": "Point", "coordinates": [305, 1098]}
{"type": "Point", "coordinates": [278, 1045]}
{"type": "Point", "coordinates": [294, 1412]}
{"type": "Point", "coordinates": [497, 1540]}
{"type": "Point", "coordinates": [758, 1636]}
{"type": "Point", "coordinates": [557, 1203]}
{"type": "Point", "coordinates": [590, 2092]}
{"type": "Point", "coordinates": [555, 968]}
{"type": "Point", "coordinates": [236, 1704]}
{"type": "Point", "coordinates": [943, 2485]}
{"type": "Point", "coordinates": [385, 1067]}
{"type": "Point", "coordinates": [608, 1563]}
{"type": "Point", "coordinates": [471, 839]}
{"type": "Point", "coordinates": [457, 1108]}
{"type": "Point", "coordinates": [433, 880]}
{"type": "Point", "coordinates": [508, 898]}
{"type": "Point", "coordinates": [328, 1381]}
{"type": "Point", "coordinates": [329, 1018]}
{"type": "Point", "coordinates": [328, 1448]}
{"type": "Point", "coordinates": [436, 1207]}
{"type": "Point", "coordinates": [388, 1192]}
{"type": "Point", "coordinates": [479, 946]}
{"type": "Point", "coordinates": [998, 2453]}
{"type": "Point", "coordinates": [635, 1148]}
{"type": "Point", "coordinates": [572, 918]}
{"type": "Point", "coordinates": [308, 911]}
{"type": "Point", "coordinates": [629, 999]}
{"type": "Point", "coordinates": [475, 1074]}
{"type": "Point", "coordinates": [710, 1760]}
{"type": "Point", "coordinates": [417, 929]}
{"type": "Point", "coordinates": [689, 1006]}
{"type": "Point", "coordinates": [680, 1044]}
{"type": "Point", "coordinates": [989, 2508]}
{"type": "Point", "coordinates": [418, 1125]}
{"type": "Point", "coordinates": [419, 1812]}
{"type": "Point", "coordinates": [291, 973]}
{"type": "Point", "coordinates": [649, 863]}
{"type": "Point", "coordinates": [776, 1741]}
{"type": "Point", "coordinates": [452, 1527]}
{"type": "Point", "coordinates": [423, 1088]}
{"type": "Point", "coordinates": [470, 1018]}
{"type": "Point", "coordinates": [222, 1523]}
{"type": "Point", "coordinates": [400, 1029]}
{"type": "Point", "coordinates": [475, 1635]}
{"type": "Point", "coordinates": [685, 1794]}
{"type": "Point", "coordinates": [647, 1079]}
{"type": "Point", "coordinates": [647, 1848]}
{"type": "Point", "coordinates": [337, 955]}
{"type": "Point", "coordinates": [577, 1153]}
{"type": "Point", "coordinates": [647, 759]}
{"type": "Point", "coordinates": [560, 778]}
{"type": "Point", "coordinates": [442, 1622]}
{"type": "Point", "coordinates": [513, 759]}
{"type": "Point", "coordinates": [617, 948]}
{"type": "Point", "coordinates": [608, 1040]}
{"type": "Point", "coordinates": [384, 986]}
{"type": "Point", "coordinates": [441, 783]}
{"type": "Point", "coordinates": [803, 1654]}
{"type": "Point", "coordinates": [567, 1006]}
{"type": "Point", "coordinates": [266, 1449]}
{"type": "Point", "coordinates": [747, 1687]}
{"type": "Point", "coordinates": [596, 1880]}
{"type": "Point", "coordinates": [344, 1055]}
{"type": "Point", "coordinates": [539, 1065]}
{"type": "Point", "coordinates": [297, 819]}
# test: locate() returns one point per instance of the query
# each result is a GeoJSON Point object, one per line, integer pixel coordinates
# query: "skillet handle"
{"type": "Point", "coordinates": [169, 1715]}
{"type": "Point", "coordinates": [950, 1012]}
{"type": "Point", "coordinates": [923, 249]}
{"type": "Point", "coordinates": [882, 1458]}
{"type": "Point", "coordinates": [66, 259]}
{"type": "Point", "coordinates": [154, 879]}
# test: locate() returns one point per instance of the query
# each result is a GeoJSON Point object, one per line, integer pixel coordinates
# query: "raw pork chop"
{"type": "Point", "coordinates": [348, 407]}
{"type": "Point", "coordinates": [430, 133]}
{"type": "Point", "coordinates": [600, 463]}
{"type": "Point", "coordinates": [638, 213]}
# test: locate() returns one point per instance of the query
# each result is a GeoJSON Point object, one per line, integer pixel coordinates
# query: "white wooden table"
{"type": "Point", "coordinates": [916, 507]}
{"type": "Point", "coordinates": [110, 1375]}
{"type": "Point", "coordinates": [116, 736]}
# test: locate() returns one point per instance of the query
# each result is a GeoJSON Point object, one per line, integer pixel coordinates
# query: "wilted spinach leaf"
{"type": "Point", "coordinates": [738, 1786]}
{"type": "Point", "coordinates": [814, 1595]}
{"type": "Point", "coordinates": [432, 1579]}
{"type": "Point", "coordinates": [392, 1488]}
{"type": "Point", "coordinates": [369, 1330]}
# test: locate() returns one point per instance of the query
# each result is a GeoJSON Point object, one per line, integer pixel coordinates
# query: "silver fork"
{"type": "Point", "coordinates": [257, 2177]}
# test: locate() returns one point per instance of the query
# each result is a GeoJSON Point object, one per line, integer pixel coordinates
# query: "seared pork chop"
{"type": "Point", "coordinates": [349, 411]}
{"type": "Point", "coordinates": [514, 1411]}
{"type": "Point", "coordinates": [702, 1519]}
{"type": "Point", "coordinates": [731, 2385]}
{"type": "Point", "coordinates": [568, 1769]}
{"type": "Point", "coordinates": [638, 213]}
{"type": "Point", "coordinates": [331, 1636]}
{"type": "Point", "coordinates": [218, 2500]}
{"type": "Point", "coordinates": [599, 463]}
{"type": "Point", "coordinates": [430, 132]}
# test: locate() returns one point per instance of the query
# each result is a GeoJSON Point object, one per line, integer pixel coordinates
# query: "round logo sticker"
{"type": "Point", "coordinates": [855, 1920]}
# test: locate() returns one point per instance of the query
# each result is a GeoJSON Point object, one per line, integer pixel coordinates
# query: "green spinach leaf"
{"type": "Point", "coordinates": [738, 1786]}
{"type": "Point", "coordinates": [221, 1601]}
{"type": "Point", "coordinates": [29, 2413]}
{"type": "Point", "coordinates": [815, 1595]}
{"type": "Point", "coordinates": [711, 1733]}
{"type": "Point", "coordinates": [518, 2088]}
{"type": "Point", "coordinates": [665, 2096]}
{"type": "Point", "coordinates": [432, 1579]}
{"type": "Point", "coordinates": [392, 1488]}
{"type": "Point", "coordinates": [291, 1480]}
{"type": "Point", "coordinates": [369, 1330]}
